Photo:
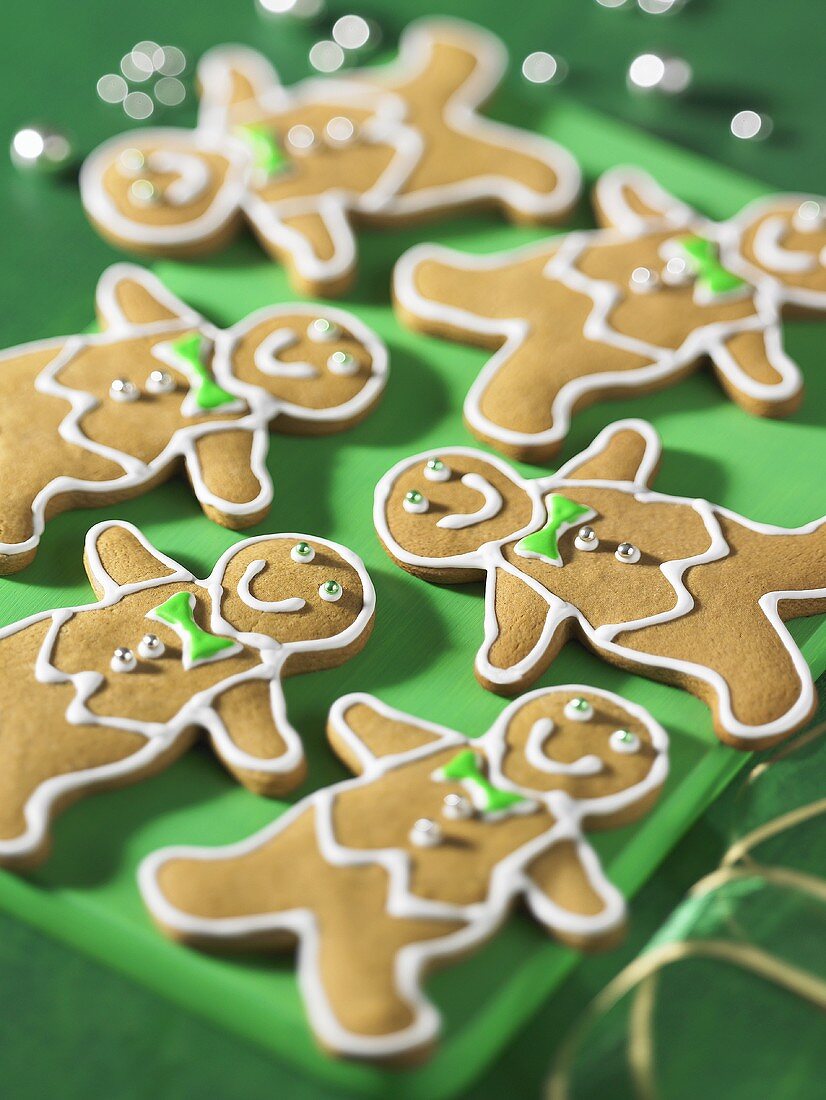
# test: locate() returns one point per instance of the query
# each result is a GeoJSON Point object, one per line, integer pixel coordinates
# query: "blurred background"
{"type": "Point", "coordinates": [738, 84]}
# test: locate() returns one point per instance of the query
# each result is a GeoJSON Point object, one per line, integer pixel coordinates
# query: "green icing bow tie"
{"type": "Point", "coordinates": [562, 514]}
{"type": "Point", "coordinates": [712, 277]}
{"type": "Point", "coordinates": [267, 154]}
{"type": "Point", "coordinates": [465, 768]}
{"type": "Point", "coordinates": [205, 390]}
{"type": "Point", "coordinates": [199, 645]}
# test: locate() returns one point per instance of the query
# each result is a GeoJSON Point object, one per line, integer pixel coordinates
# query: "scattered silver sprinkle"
{"type": "Point", "coordinates": [112, 88]}
{"type": "Point", "coordinates": [326, 56]}
{"type": "Point", "coordinates": [301, 9]}
{"type": "Point", "coordinates": [169, 91]}
{"type": "Point", "coordinates": [169, 60]}
{"type": "Point", "coordinates": [136, 67]}
{"type": "Point", "coordinates": [40, 150]}
{"type": "Point", "coordinates": [138, 105]}
{"type": "Point", "coordinates": [351, 32]}
{"type": "Point", "coordinates": [750, 126]}
{"type": "Point", "coordinates": [426, 833]}
{"type": "Point", "coordinates": [544, 68]}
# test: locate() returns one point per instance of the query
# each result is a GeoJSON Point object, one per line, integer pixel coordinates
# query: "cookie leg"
{"type": "Point", "coordinates": [280, 888]}
{"type": "Point", "coordinates": [228, 473]}
{"type": "Point", "coordinates": [313, 237]}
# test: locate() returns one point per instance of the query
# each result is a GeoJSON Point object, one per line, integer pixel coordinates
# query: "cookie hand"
{"type": "Point", "coordinates": [362, 729]}
{"type": "Point", "coordinates": [228, 473]}
{"type": "Point", "coordinates": [631, 201]}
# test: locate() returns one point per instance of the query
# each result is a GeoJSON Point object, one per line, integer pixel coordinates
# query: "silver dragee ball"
{"type": "Point", "coordinates": [40, 150]}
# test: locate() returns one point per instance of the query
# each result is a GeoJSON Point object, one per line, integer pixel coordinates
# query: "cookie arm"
{"type": "Point", "coordinates": [250, 732]}
{"type": "Point", "coordinates": [226, 466]}
{"type": "Point", "coordinates": [567, 892]}
{"type": "Point", "coordinates": [524, 631]}
{"type": "Point", "coordinates": [361, 730]}
{"type": "Point", "coordinates": [116, 553]}
{"type": "Point", "coordinates": [755, 371]}
{"type": "Point", "coordinates": [631, 201]}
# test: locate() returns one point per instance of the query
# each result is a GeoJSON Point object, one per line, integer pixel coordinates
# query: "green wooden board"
{"type": "Point", "coordinates": [420, 657]}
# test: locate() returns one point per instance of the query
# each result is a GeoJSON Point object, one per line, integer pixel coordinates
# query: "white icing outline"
{"type": "Point", "coordinates": [489, 558]}
{"type": "Point", "coordinates": [263, 408]}
{"type": "Point", "coordinates": [490, 507]}
{"type": "Point", "coordinates": [711, 340]}
{"type": "Point", "coordinates": [364, 89]}
{"type": "Point", "coordinates": [509, 879]}
{"type": "Point", "coordinates": [199, 709]}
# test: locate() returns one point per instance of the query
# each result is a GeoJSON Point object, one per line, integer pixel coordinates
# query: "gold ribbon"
{"type": "Point", "coordinates": [642, 975]}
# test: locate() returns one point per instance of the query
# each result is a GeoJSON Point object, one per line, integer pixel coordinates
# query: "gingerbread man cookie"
{"type": "Point", "coordinates": [679, 590]}
{"type": "Point", "coordinates": [633, 307]}
{"type": "Point", "coordinates": [305, 165]}
{"type": "Point", "coordinates": [104, 694]}
{"type": "Point", "coordinates": [94, 419]}
{"type": "Point", "coordinates": [418, 860]}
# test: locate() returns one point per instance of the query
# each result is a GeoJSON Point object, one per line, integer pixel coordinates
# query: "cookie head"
{"type": "Point", "coordinates": [596, 747]}
{"type": "Point", "coordinates": [435, 511]}
{"type": "Point", "coordinates": [174, 190]}
{"type": "Point", "coordinates": [785, 237]}
{"type": "Point", "coordinates": [297, 590]}
{"type": "Point", "coordinates": [318, 364]}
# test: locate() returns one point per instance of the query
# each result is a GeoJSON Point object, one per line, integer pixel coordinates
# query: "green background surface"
{"type": "Point", "coordinates": [420, 656]}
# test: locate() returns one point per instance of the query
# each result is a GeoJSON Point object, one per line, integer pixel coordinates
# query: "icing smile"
{"type": "Point", "coordinates": [490, 507]}
{"type": "Point", "coordinates": [535, 754]}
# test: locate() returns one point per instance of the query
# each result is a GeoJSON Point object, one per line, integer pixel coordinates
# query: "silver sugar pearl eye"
{"type": "Point", "coordinates": [436, 470]}
{"type": "Point", "coordinates": [643, 280]}
{"type": "Point", "coordinates": [300, 138]}
{"type": "Point", "coordinates": [456, 807]}
{"type": "Point", "coordinates": [160, 381]}
{"type": "Point", "coordinates": [808, 216]}
{"type": "Point", "coordinates": [586, 539]}
{"type": "Point", "coordinates": [144, 193]}
{"type": "Point", "coordinates": [627, 553]}
{"type": "Point", "coordinates": [123, 390]}
{"type": "Point", "coordinates": [151, 647]}
{"type": "Point", "coordinates": [323, 331]}
{"type": "Point", "coordinates": [415, 502]}
{"type": "Point", "coordinates": [426, 833]}
{"type": "Point", "coordinates": [123, 660]}
{"type": "Point", "coordinates": [579, 709]}
{"type": "Point", "coordinates": [341, 362]}
{"type": "Point", "coordinates": [624, 741]}
{"type": "Point", "coordinates": [131, 162]}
